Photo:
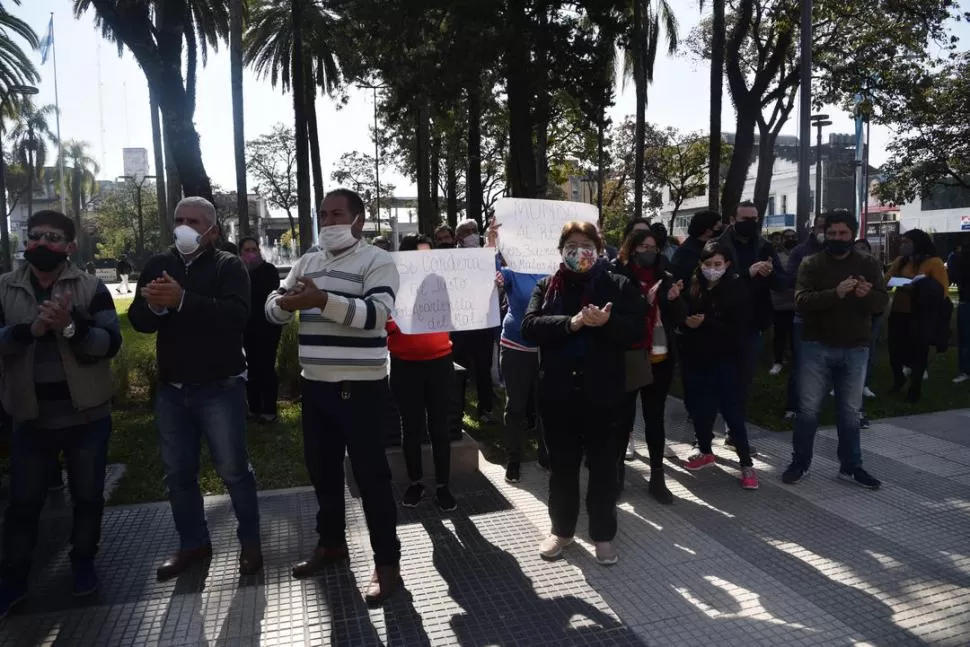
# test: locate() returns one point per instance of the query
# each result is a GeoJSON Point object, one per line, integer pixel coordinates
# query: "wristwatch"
{"type": "Point", "coordinates": [69, 330]}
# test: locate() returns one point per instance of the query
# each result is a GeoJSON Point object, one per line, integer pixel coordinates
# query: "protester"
{"type": "Point", "coordinates": [583, 318]}
{"type": "Point", "coordinates": [444, 237]}
{"type": "Point", "coordinates": [783, 301]}
{"type": "Point", "coordinates": [863, 247]}
{"type": "Point", "coordinates": [668, 244]}
{"type": "Point", "coordinates": [473, 348]}
{"type": "Point", "coordinates": [908, 349]}
{"type": "Point", "coordinates": [58, 332]}
{"type": "Point", "coordinates": [124, 270]}
{"type": "Point", "coordinates": [777, 241]}
{"type": "Point", "coordinates": [231, 248]}
{"type": "Point", "coordinates": [261, 338]}
{"type": "Point", "coordinates": [703, 226]}
{"type": "Point", "coordinates": [960, 274]}
{"type": "Point", "coordinates": [642, 263]}
{"type": "Point", "coordinates": [196, 299]}
{"type": "Point", "coordinates": [423, 381]}
{"type": "Point", "coordinates": [837, 292]}
{"type": "Point", "coordinates": [519, 361]}
{"type": "Point", "coordinates": [381, 242]}
{"type": "Point", "coordinates": [712, 358]}
{"type": "Point", "coordinates": [346, 399]}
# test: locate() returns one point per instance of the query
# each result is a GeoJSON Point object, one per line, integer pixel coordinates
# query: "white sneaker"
{"type": "Point", "coordinates": [789, 415]}
{"type": "Point", "coordinates": [926, 375]}
{"type": "Point", "coordinates": [551, 548]}
{"type": "Point", "coordinates": [668, 452]}
{"type": "Point", "coordinates": [961, 378]}
{"type": "Point", "coordinates": [606, 553]}
{"type": "Point", "coordinates": [867, 392]}
{"type": "Point", "coordinates": [775, 369]}
{"type": "Point", "coordinates": [832, 393]}
{"type": "Point", "coordinates": [630, 451]}
{"type": "Point", "coordinates": [907, 371]}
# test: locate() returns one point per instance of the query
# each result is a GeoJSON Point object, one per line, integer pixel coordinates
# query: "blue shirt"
{"type": "Point", "coordinates": [518, 290]}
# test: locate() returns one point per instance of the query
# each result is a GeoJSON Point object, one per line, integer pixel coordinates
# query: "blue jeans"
{"type": "Point", "coordinates": [216, 410]}
{"type": "Point", "coordinates": [845, 369]}
{"type": "Point", "coordinates": [714, 385]}
{"type": "Point", "coordinates": [33, 451]}
{"type": "Point", "coordinates": [963, 338]}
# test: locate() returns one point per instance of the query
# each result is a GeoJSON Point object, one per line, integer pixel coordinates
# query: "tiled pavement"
{"type": "Point", "coordinates": [820, 563]}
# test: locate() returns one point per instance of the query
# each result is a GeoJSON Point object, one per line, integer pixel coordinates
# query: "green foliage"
{"type": "Point", "coordinates": [288, 360]}
{"type": "Point", "coordinates": [356, 171]}
{"type": "Point", "coordinates": [288, 236]}
{"type": "Point", "coordinates": [116, 223]}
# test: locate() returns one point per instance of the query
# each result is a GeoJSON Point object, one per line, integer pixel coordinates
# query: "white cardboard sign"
{"type": "Point", "coordinates": [444, 290]}
{"type": "Point", "coordinates": [529, 236]}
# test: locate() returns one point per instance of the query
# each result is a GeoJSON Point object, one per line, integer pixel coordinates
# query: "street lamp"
{"type": "Point", "coordinates": [377, 156]}
{"type": "Point", "coordinates": [819, 122]}
{"type": "Point", "coordinates": [5, 262]}
{"type": "Point", "coordinates": [138, 184]}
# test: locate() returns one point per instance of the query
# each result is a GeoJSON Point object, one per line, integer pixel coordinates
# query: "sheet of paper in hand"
{"type": "Point", "coordinates": [530, 231]}
{"type": "Point", "coordinates": [444, 290]}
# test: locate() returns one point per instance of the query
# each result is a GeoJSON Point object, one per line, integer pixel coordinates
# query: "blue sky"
{"type": "Point", "coordinates": [109, 109]}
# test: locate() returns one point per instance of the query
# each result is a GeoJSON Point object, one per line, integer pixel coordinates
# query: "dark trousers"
{"type": "Point", "coordinates": [784, 321]}
{"type": "Point", "coordinates": [904, 350]}
{"type": "Point", "coordinates": [473, 350]}
{"type": "Point", "coordinates": [262, 385]}
{"type": "Point", "coordinates": [653, 403]}
{"type": "Point", "coordinates": [521, 371]}
{"type": "Point", "coordinates": [573, 428]}
{"type": "Point", "coordinates": [33, 451]}
{"type": "Point", "coordinates": [350, 417]}
{"type": "Point", "coordinates": [422, 391]}
{"type": "Point", "coordinates": [714, 385]}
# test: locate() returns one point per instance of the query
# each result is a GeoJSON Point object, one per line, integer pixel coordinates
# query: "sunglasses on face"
{"type": "Point", "coordinates": [49, 236]}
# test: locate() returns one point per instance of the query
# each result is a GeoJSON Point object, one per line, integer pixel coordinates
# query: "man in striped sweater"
{"type": "Point", "coordinates": [345, 295]}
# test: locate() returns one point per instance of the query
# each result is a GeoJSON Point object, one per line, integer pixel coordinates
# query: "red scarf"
{"type": "Point", "coordinates": [647, 278]}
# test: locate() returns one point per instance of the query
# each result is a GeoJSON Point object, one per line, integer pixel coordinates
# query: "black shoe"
{"type": "Point", "coordinates": [861, 478]}
{"type": "Point", "coordinates": [446, 502]}
{"type": "Point", "coordinates": [794, 474]}
{"type": "Point", "coordinates": [658, 489]}
{"type": "Point", "coordinates": [864, 422]}
{"type": "Point", "coordinates": [513, 472]}
{"type": "Point", "coordinates": [413, 495]}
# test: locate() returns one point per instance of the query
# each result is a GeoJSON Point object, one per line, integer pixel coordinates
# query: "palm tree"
{"type": "Point", "coordinates": [718, 38]}
{"type": "Point", "coordinates": [269, 40]}
{"type": "Point", "coordinates": [31, 135]}
{"type": "Point", "coordinates": [236, 11]}
{"type": "Point", "coordinates": [81, 185]}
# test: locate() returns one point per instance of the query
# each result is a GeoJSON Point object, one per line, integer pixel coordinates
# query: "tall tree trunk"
{"type": "Point", "coordinates": [300, 122]}
{"type": "Point", "coordinates": [173, 184]}
{"type": "Point", "coordinates": [451, 181]}
{"type": "Point", "coordinates": [473, 177]}
{"type": "Point", "coordinates": [766, 163]}
{"type": "Point", "coordinates": [80, 235]}
{"type": "Point", "coordinates": [600, 165]}
{"type": "Point", "coordinates": [316, 167]}
{"type": "Point", "coordinates": [164, 219]}
{"type": "Point", "coordinates": [435, 180]}
{"type": "Point", "coordinates": [238, 131]}
{"type": "Point", "coordinates": [30, 184]}
{"type": "Point", "coordinates": [640, 81]}
{"type": "Point", "coordinates": [522, 168]}
{"type": "Point", "coordinates": [5, 256]}
{"type": "Point", "coordinates": [740, 163]}
{"type": "Point", "coordinates": [541, 115]}
{"type": "Point", "coordinates": [422, 165]}
{"type": "Point", "coordinates": [717, 86]}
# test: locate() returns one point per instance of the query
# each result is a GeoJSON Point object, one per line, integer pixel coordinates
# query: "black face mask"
{"type": "Point", "coordinates": [746, 228]}
{"type": "Point", "coordinates": [445, 246]}
{"type": "Point", "coordinates": [645, 259]}
{"type": "Point", "coordinates": [839, 247]}
{"type": "Point", "coordinates": [791, 243]}
{"type": "Point", "coordinates": [44, 258]}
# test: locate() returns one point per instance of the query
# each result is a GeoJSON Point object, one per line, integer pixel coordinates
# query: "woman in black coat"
{"type": "Point", "coordinates": [261, 338]}
{"type": "Point", "coordinates": [583, 319]}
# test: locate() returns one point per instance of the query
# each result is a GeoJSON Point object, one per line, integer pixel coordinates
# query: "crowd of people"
{"type": "Point", "coordinates": [580, 351]}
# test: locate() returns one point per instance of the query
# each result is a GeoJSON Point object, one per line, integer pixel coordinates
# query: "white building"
{"type": "Point", "coordinates": [946, 211]}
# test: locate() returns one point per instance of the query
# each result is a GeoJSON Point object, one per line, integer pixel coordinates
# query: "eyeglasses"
{"type": "Point", "coordinates": [574, 247]}
{"type": "Point", "coordinates": [49, 236]}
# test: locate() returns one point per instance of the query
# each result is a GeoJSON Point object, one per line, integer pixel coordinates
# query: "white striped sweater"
{"type": "Point", "coordinates": [346, 341]}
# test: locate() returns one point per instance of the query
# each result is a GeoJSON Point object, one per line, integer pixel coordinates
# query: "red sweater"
{"type": "Point", "coordinates": [416, 348]}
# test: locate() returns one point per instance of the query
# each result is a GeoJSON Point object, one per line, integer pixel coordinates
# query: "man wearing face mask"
{"type": "Point", "coordinates": [783, 302]}
{"type": "Point", "coordinates": [196, 298]}
{"type": "Point", "coordinates": [444, 237]}
{"type": "Point", "coordinates": [704, 226]}
{"type": "Point", "coordinates": [58, 332]}
{"type": "Point", "coordinates": [346, 401]}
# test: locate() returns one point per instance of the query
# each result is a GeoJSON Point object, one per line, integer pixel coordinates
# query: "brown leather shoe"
{"type": "Point", "coordinates": [321, 558]}
{"type": "Point", "coordinates": [182, 561]}
{"type": "Point", "coordinates": [250, 560]}
{"type": "Point", "coordinates": [383, 584]}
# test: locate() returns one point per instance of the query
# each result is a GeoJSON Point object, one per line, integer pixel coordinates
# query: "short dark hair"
{"type": "Point", "coordinates": [354, 201]}
{"type": "Point", "coordinates": [660, 233]}
{"type": "Point", "coordinates": [864, 242]}
{"type": "Point", "coordinates": [409, 242]}
{"type": "Point", "coordinates": [775, 233]}
{"type": "Point", "coordinates": [790, 231]}
{"type": "Point", "coordinates": [702, 222]}
{"type": "Point", "coordinates": [248, 239]}
{"type": "Point", "coordinates": [424, 240]}
{"type": "Point", "coordinates": [715, 248]}
{"type": "Point", "coordinates": [231, 248]}
{"type": "Point", "coordinates": [633, 223]}
{"type": "Point", "coordinates": [587, 229]}
{"type": "Point", "coordinates": [55, 219]}
{"type": "Point", "coordinates": [444, 229]}
{"type": "Point", "coordinates": [746, 204]}
{"type": "Point", "coordinates": [841, 217]}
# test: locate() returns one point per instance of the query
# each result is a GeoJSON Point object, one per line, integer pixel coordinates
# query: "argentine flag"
{"type": "Point", "coordinates": [47, 42]}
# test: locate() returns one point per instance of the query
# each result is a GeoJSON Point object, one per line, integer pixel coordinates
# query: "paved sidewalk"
{"type": "Point", "coordinates": [820, 563]}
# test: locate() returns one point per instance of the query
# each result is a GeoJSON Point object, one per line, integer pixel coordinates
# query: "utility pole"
{"type": "Point", "coordinates": [805, 126]}
{"type": "Point", "coordinates": [819, 121]}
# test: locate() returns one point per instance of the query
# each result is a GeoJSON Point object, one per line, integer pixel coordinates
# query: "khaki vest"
{"type": "Point", "coordinates": [90, 385]}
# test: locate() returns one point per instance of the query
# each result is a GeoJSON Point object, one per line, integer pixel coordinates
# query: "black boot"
{"type": "Point", "coordinates": [658, 488]}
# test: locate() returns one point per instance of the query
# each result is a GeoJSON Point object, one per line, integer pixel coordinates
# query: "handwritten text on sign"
{"type": "Point", "coordinates": [529, 236]}
{"type": "Point", "coordinates": [446, 289]}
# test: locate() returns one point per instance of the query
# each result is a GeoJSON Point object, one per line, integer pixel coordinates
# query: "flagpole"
{"type": "Point", "coordinates": [60, 144]}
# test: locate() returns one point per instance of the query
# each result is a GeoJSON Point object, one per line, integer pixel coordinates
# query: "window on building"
{"type": "Point", "coordinates": [946, 196]}
{"type": "Point", "coordinates": [770, 211]}
{"type": "Point", "coordinates": [784, 203]}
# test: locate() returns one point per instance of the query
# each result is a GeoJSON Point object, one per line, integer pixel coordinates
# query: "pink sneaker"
{"type": "Point", "coordinates": [749, 478]}
{"type": "Point", "coordinates": [699, 461]}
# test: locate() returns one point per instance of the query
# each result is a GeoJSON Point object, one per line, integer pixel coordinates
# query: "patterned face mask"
{"type": "Point", "coordinates": [579, 259]}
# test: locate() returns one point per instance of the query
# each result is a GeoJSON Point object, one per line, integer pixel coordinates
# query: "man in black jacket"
{"type": "Point", "coordinates": [196, 298]}
{"type": "Point", "coordinates": [704, 226]}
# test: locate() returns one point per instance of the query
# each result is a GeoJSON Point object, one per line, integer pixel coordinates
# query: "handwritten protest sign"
{"type": "Point", "coordinates": [446, 289]}
{"type": "Point", "coordinates": [530, 231]}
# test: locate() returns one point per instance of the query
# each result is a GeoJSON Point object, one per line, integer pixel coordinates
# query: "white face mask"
{"type": "Point", "coordinates": [188, 240]}
{"type": "Point", "coordinates": [471, 240]}
{"type": "Point", "coordinates": [713, 274]}
{"type": "Point", "coordinates": [335, 238]}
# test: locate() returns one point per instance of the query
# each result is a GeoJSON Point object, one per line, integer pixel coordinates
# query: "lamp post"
{"type": "Point", "coordinates": [377, 158]}
{"type": "Point", "coordinates": [819, 122]}
{"type": "Point", "coordinates": [805, 110]}
{"type": "Point", "coordinates": [138, 184]}
{"type": "Point", "coordinates": [6, 264]}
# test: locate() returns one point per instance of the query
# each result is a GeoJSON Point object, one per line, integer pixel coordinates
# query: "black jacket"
{"type": "Point", "coordinates": [588, 363]}
{"type": "Point", "coordinates": [743, 256]}
{"type": "Point", "coordinates": [672, 313]}
{"type": "Point", "coordinates": [686, 259]}
{"type": "Point", "coordinates": [263, 280]}
{"type": "Point", "coordinates": [932, 312]}
{"type": "Point", "coordinates": [202, 341]}
{"type": "Point", "coordinates": [725, 321]}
